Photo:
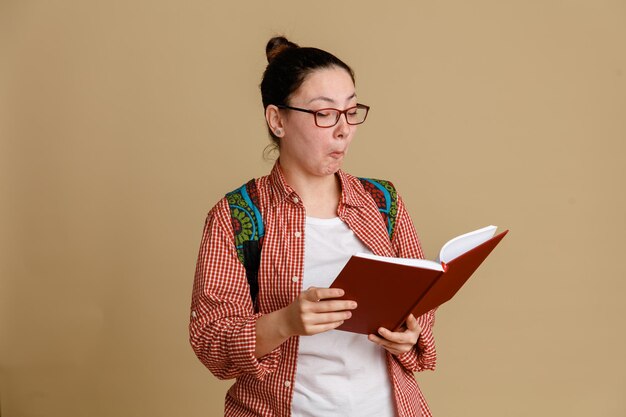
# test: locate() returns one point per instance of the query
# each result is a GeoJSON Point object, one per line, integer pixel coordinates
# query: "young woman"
{"type": "Point", "coordinates": [283, 349]}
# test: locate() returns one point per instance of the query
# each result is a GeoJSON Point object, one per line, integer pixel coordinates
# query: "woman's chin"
{"type": "Point", "coordinates": [331, 169]}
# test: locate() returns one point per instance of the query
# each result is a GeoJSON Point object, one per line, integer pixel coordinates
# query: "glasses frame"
{"type": "Point", "coordinates": [339, 113]}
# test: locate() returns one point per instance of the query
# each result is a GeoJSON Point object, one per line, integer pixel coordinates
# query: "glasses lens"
{"type": "Point", "coordinates": [327, 117]}
{"type": "Point", "coordinates": [356, 115]}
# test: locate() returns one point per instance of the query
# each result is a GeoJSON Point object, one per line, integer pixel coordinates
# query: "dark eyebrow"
{"type": "Point", "coordinates": [330, 100]}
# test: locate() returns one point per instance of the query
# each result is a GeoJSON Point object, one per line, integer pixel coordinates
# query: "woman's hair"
{"type": "Point", "coordinates": [287, 67]}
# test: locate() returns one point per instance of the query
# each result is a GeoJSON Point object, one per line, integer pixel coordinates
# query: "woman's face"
{"type": "Point", "coordinates": [306, 148]}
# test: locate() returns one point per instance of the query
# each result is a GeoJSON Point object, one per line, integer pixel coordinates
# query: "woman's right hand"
{"type": "Point", "coordinates": [316, 310]}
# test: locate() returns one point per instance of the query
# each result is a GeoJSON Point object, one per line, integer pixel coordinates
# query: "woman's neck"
{"type": "Point", "coordinates": [320, 194]}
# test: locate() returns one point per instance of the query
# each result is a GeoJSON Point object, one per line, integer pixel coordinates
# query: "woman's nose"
{"type": "Point", "coordinates": [342, 128]}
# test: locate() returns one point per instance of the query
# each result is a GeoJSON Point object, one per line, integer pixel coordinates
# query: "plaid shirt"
{"type": "Point", "coordinates": [222, 325]}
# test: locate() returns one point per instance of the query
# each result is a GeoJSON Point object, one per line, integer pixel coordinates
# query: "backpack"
{"type": "Point", "coordinates": [249, 230]}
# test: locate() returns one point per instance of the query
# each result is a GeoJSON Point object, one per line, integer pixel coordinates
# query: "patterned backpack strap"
{"type": "Point", "coordinates": [249, 232]}
{"type": "Point", "coordinates": [386, 199]}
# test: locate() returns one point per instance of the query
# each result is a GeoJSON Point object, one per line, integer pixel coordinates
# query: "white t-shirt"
{"type": "Point", "coordinates": [338, 373]}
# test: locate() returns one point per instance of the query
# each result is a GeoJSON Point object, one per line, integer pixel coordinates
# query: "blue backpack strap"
{"type": "Point", "coordinates": [386, 199]}
{"type": "Point", "coordinates": [249, 232]}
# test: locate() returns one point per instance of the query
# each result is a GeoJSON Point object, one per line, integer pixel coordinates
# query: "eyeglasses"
{"type": "Point", "coordinates": [330, 117]}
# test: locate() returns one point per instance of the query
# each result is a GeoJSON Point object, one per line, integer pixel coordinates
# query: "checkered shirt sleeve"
{"type": "Point", "coordinates": [223, 324]}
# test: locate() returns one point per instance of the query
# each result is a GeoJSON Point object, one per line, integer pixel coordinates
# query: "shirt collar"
{"type": "Point", "coordinates": [280, 189]}
{"type": "Point", "coordinates": [352, 193]}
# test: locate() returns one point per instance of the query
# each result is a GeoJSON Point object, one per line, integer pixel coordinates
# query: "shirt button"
{"type": "Point", "coordinates": [295, 279]}
{"type": "Point", "coordinates": [298, 234]}
{"type": "Point", "coordinates": [193, 314]}
{"type": "Point", "coordinates": [296, 200]}
{"type": "Point", "coordinates": [287, 384]}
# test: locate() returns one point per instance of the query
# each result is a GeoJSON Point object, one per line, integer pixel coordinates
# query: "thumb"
{"type": "Point", "coordinates": [412, 324]}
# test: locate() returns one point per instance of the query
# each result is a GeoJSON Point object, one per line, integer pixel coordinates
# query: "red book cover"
{"type": "Point", "coordinates": [387, 292]}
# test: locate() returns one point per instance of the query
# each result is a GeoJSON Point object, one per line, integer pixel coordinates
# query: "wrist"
{"type": "Point", "coordinates": [271, 332]}
{"type": "Point", "coordinates": [281, 323]}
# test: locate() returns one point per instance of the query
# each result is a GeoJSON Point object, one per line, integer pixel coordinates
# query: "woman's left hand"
{"type": "Point", "coordinates": [400, 342]}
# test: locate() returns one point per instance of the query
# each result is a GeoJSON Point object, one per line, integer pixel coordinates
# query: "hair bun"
{"type": "Point", "coordinates": [276, 46]}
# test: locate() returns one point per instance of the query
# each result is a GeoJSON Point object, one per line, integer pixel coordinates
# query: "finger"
{"type": "Point", "coordinates": [334, 305]}
{"type": "Point", "coordinates": [320, 328]}
{"type": "Point", "coordinates": [382, 341]}
{"type": "Point", "coordinates": [310, 294]}
{"type": "Point", "coordinates": [317, 294]}
{"type": "Point", "coordinates": [393, 348]}
{"type": "Point", "coordinates": [406, 336]}
{"type": "Point", "coordinates": [325, 318]}
{"type": "Point", "coordinates": [389, 346]}
{"type": "Point", "coordinates": [325, 293]}
{"type": "Point", "coordinates": [377, 339]}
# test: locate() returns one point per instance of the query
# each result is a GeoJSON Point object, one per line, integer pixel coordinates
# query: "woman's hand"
{"type": "Point", "coordinates": [312, 312]}
{"type": "Point", "coordinates": [401, 342]}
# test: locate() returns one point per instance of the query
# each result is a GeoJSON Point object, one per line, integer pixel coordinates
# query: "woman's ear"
{"type": "Point", "coordinates": [274, 120]}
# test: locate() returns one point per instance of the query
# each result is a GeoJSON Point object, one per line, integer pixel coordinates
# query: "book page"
{"type": "Point", "coordinates": [463, 243]}
{"type": "Point", "coordinates": [421, 263]}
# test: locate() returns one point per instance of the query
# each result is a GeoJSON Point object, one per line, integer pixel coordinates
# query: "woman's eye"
{"type": "Point", "coordinates": [322, 114]}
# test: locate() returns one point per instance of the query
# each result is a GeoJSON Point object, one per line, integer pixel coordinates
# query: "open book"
{"type": "Point", "coordinates": [387, 289]}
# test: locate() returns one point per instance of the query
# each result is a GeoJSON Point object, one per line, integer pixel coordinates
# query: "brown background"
{"type": "Point", "coordinates": [122, 122]}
